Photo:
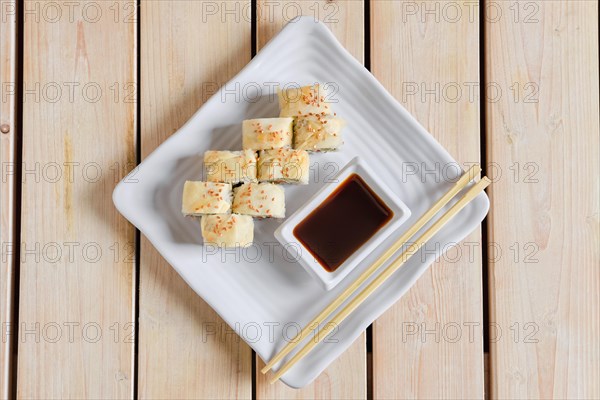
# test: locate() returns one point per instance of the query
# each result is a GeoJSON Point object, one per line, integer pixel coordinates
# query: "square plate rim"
{"type": "Point", "coordinates": [121, 193]}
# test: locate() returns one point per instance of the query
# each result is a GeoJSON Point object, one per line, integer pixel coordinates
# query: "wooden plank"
{"type": "Point", "coordinates": [77, 276]}
{"type": "Point", "coordinates": [344, 18]}
{"type": "Point", "coordinates": [8, 40]}
{"type": "Point", "coordinates": [429, 345]}
{"type": "Point", "coordinates": [189, 48]}
{"type": "Point", "coordinates": [543, 137]}
{"type": "Point", "coordinates": [346, 378]}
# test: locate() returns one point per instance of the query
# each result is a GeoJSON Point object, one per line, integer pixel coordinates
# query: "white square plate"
{"type": "Point", "coordinates": [285, 232]}
{"type": "Point", "coordinates": [261, 293]}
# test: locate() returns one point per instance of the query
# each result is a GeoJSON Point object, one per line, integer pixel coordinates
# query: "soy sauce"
{"type": "Point", "coordinates": [343, 222]}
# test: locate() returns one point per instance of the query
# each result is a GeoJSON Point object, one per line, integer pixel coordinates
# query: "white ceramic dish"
{"type": "Point", "coordinates": [285, 233]}
{"type": "Point", "coordinates": [272, 292]}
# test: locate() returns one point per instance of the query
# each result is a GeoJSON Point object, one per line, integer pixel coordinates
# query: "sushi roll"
{"type": "Point", "coordinates": [201, 198]}
{"type": "Point", "coordinates": [294, 102]}
{"type": "Point", "coordinates": [283, 166]}
{"type": "Point", "coordinates": [267, 133]}
{"type": "Point", "coordinates": [230, 166]}
{"type": "Point", "coordinates": [227, 230]}
{"type": "Point", "coordinates": [259, 200]}
{"type": "Point", "coordinates": [318, 132]}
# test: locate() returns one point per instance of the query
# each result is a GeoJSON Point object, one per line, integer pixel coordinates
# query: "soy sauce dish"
{"type": "Point", "coordinates": [343, 223]}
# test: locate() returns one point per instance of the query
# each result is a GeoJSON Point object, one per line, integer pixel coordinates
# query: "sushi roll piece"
{"type": "Point", "coordinates": [294, 102]}
{"type": "Point", "coordinates": [201, 198]}
{"type": "Point", "coordinates": [230, 166]}
{"type": "Point", "coordinates": [318, 132]}
{"type": "Point", "coordinates": [262, 200]}
{"type": "Point", "coordinates": [227, 230]}
{"type": "Point", "coordinates": [267, 133]}
{"type": "Point", "coordinates": [283, 166]}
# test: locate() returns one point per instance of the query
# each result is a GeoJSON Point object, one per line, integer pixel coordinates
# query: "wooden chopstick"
{"type": "Point", "coordinates": [387, 272]}
{"type": "Point", "coordinates": [420, 223]}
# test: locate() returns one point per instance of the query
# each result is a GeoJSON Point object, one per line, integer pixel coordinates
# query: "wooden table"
{"type": "Point", "coordinates": [90, 88]}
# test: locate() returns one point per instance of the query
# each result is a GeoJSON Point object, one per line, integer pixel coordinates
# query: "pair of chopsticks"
{"type": "Point", "coordinates": [383, 276]}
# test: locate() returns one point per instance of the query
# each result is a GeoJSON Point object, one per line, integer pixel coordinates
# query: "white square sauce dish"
{"type": "Point", "coordinates": [342, 223]}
